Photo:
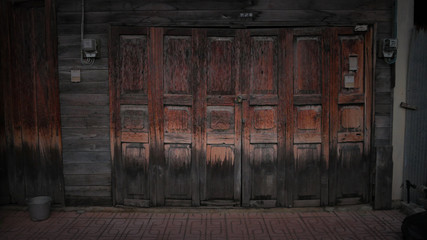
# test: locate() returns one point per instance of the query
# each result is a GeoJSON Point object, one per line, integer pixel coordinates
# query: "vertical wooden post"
{"type": "Point", "coordinates": [199, 117]}
{"type": "Point", "coordinates": [326, 57]}
{"type": "Point", "coordinates": [334, 116]}
{"type": "Point", "coordinates": [289, 105]}
{"type": "Point", "coordinates": [155, 106]}
{"type": "Point", "coordinates": [5, 131]}
{"type": "Point", "coordinates": [281, 130]}
{"type": "Point", "coordinates": [383, 177]}
{"type": "Point", "coordinates": [245, 82]}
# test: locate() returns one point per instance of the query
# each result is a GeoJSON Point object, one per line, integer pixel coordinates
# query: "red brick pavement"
{"type": "Point", "coordinates": [202, 224]}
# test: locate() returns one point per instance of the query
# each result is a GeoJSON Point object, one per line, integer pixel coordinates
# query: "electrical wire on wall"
{"type": "Point", "coordinates": [84, 60]}
{"type": "Point", "coordinates": [393, 59]}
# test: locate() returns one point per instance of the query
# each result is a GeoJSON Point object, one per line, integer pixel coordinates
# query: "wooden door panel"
{"type": "Point", "coordinates": [221, 58]}
{"type": "Point", "coordinates": [351, 123]}
{"type": "Point", "coordinates": [221, 183]}
{"type": "Point", "coordinates": [133, 64]}
{"type": "Point", "coordinates": [178, 124]}
{"type": "Point", "coordinates": [264, 124]}
{"type": "Point", "coordinates": [130, 117]}
{"type": "Point", "coordinates": [263, 65]}
{"type": "Point", "coordinates": [177, 65]}
{"type": "Point", "coordinates": [264, 171]}
{"type": "Point", "coordinates": [178, 115]}
{"type": "Point", "coordinates": [220, 156]}
{"type": "Point", "coordinates": [350, 118]}
{"type": "Point", "coordinates": [216, 116]}
{"type": "Point", "coordinates": [351, 178]}
{"type": "Point", "coordinates": [261, 120]}
{"type": "Point", "coordinates": [135, 163]}
{"type": "Point", "coordinates": [308, 164]}
{"type": "Point", "coordinates": [308, 124]}
{"type": "Point", "coordinates": [220, 172]}
{"type": "Point", "coordinates": [308, 116]}
{"type": "Point", "coordinates": [308, 65]}
{"type": "Point", "coordinates": [134, 123]}
{"type": "Point", "coordinates": [178, 171]}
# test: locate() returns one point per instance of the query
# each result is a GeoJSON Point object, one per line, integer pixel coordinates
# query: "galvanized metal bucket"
{"type": "Point", "coordinates": [39, 207]}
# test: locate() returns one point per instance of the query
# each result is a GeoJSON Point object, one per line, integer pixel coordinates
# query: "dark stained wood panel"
{"type": "Point", "coordinates": [177, 65]}
{"type": "Point", "coordinates": [31, 115]}
{"type": "Point", "coordinates": [220, 172]}
{"type": "Point", "coordinates": [177, 119]}
{"type": "Point", "coordinates": [220, 119]}
{"type": "Point", "coordinates": [308, 171]}
{"type": "Point", "coordinates": [351, 166]}
{"type": "Point", "coordinates": [178, 171]}
{"type": "Point", "coordinates": [308, 65]}
{"type": "Point", "coordinates": [232, 134]}
{"type": "Point", "coordinates": [221, 73]}
{"type": "Point", "coordinates": [167, 5]}
{"type": "Point", "coordinates": [263, 65]}
{"type": "Point", "coordinates": [263, 176]}
{"type": "Point", "coordinates": [308, 124]}
{"type": "Point", "coordinates": [133, 64]}
{"type": "Point", "coordinates": [135, 162]}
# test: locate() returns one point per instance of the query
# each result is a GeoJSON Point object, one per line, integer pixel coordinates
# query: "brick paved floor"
{"type": "Point", "coordinates": [202, 224]}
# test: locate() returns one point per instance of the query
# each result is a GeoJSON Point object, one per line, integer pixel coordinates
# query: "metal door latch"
{"type": "Point", "coordinates": [407, 106]}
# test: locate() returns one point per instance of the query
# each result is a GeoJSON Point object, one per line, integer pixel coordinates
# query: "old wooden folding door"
{"type": "Point", "coordinates": [258, 117]}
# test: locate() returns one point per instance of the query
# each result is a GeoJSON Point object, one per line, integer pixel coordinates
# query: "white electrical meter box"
{"type": "Point", "coordinates": [90, 48]}
{"type": "Point", "coordinates": [89, 45]}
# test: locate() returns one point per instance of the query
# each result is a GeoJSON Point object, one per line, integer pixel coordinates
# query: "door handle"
{"type": "Point", "coordinates": [240, 98]}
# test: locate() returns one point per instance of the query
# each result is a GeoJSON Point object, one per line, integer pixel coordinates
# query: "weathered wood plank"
{"type": "Point", "coordinates": [84, 99]}
{"type": "Point", "coordinates": [71, 200]}
{"type": "Point", "coordinates": [383, 80]}
{"type": "Point", "coordinates": [99, 121]}
{"type": "Point", "coordinates": [246, 126]}
{"type": "Point", "coordinates": [83, 88]}
{"type": "Point", "coordinates": [198, 154]}
{"type": "Point", "coordinates": [65, 64]}
{"type": "Point", "coordinates": [226, 17]}
{"type": "Point", "coordinates": [86, 145]}
{"type": "Point", "coordinates": [382, 133]}
{"type": "Point", "coordinates": [86, 157]}
{"type": "Point", "coordinates": [86, 76]}
{"type": "Point", "coordinates": [168, 5]}
{"type": "Point", "coordinates": [87, 168]}
{"type": "Point", "coordinates": [87, 191]}
{"type": "Point", "coordinates": [289, 127]}
{"type": "Point", "coordinates": [5, 119]}
{"type": "Point", "coordinates": [83, 111]}
{"type": "Point", "coordinates": [87, 179]}
{"type": "Point", "coordinates": [383, 177]}
{"type": "Point", "coordinates": [156, 118]}
{"type": "Point", "coordinates": [382, 121]}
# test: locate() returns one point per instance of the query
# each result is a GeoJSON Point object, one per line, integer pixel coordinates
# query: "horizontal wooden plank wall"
{"type": "Point", "coordinates": [84, 105]}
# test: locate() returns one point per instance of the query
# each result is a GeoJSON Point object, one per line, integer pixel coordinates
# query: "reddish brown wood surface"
{"type": "Point", "coordinates": [32, 116]}
{"type": "Point", "coordinates": [5, 100]}
{"type": "Point", "coordinates": [225, 124]}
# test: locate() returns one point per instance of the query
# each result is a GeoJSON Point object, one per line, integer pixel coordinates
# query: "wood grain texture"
{"type": "Point", "coordinates": [5, 123]}
{"type": "Point", "coordinates": [34, 137]}
{"type": "Point", "coordinates": [177, 13]}
{"type": "Point", "coordinates": [198, 175]}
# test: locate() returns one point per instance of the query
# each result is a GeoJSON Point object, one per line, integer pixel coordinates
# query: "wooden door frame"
{"type": "Point", "coordinates": [285, 166]}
